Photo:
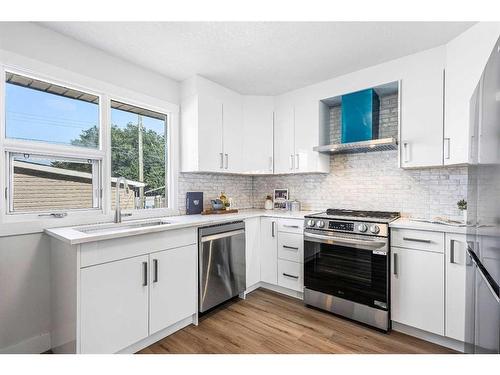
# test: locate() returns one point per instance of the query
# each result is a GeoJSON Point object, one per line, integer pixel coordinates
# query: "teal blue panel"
{"type": "Point", "coordinates": [360, 116]}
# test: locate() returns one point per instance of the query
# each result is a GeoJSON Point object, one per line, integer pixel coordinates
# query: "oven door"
{"type": "Point", "coordinates": [353, 267]}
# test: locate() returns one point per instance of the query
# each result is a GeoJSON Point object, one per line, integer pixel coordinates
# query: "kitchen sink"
{"type": "Point", "coordinates": [121, 227]}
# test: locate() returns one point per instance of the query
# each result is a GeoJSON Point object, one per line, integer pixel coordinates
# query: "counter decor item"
{"type": "Point", "coordinates": [295, 205]}
{"type": "Point", "coordinates": [280, 199]}
{"type": "Point", "coordinates": [217, 204]}
{"type": "Point", "coordinates": [462, 206]}
{"type": "Point", "coordinates": [268, 204]}
{"type": "Point", "coordinates": [219, 212]}
{"type": "Point", "coordinates": [194, 202]}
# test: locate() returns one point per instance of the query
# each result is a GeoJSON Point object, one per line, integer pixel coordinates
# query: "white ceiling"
{"type": "Point", "coordinates": [262, 58]}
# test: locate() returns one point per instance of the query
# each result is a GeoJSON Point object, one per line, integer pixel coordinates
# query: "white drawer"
{"type": "Point", "coordinates": [290, 275]}
{"type": "Point", "coordinates": [291, 247]}
{"type": "Point", "coordinates": [291, 225]}
{"type": "Point", "coordinates": [418, 239]}
{"type": "Point", "coordinates": [127, 247]}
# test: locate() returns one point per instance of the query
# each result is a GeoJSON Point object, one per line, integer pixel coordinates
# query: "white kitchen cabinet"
{"type": "Point", "coordinates": [456, 247]}
{"type": "Point", "coordinates": [269, 250]}
{"type": "Point", "coordinates": [114, 305]}
{"type": "Point", "coordinates": [306, 133]}
{"type": "Point", "coordinates": [258, 122]}
{"type": "Point", "coordinates": [284, 138]}
{"type": "Point", "coordinates": [465, 61]}
{"type": "Point", "coordinates": [232, 133]}
{"type": "Point", "coordinates": [296, 132]}
{"type": "Point", "coordinates": [252, 250]}
{"type": "Point", "coordinates": [422, 96]}
{"type": "Point", "coordinates": [173, 286]}
{"type": "Point", "coordinates": [417, 289]}
{"type": "Point", "coordinates": [211, 128]}
{"type": "Point", "coordinates": [291, 275]}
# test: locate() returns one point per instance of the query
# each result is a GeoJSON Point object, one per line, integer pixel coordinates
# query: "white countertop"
{"type": "Point", "coordinates": [408, 223]}
{"type": "Point", "coordinates": [73, 236]}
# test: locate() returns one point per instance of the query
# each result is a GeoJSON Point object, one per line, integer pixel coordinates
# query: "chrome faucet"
{"type": "Point", "coordinates": [118, 211]}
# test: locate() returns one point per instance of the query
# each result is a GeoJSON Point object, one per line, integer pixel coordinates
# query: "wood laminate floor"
{"type": "Point", "coordinates": [267, 322]}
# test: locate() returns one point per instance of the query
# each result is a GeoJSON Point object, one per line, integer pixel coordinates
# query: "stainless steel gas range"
{"type": "Point", "coordinates": [346, 264]}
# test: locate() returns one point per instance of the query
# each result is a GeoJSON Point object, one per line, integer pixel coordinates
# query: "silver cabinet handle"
{"type": "Point", "coordinates": [227, 160]}
{"type": "Point", "coordinates": [57, 215]}
{"type": "Point", "coordinates": [416, 240]}
{"type": "Point", "coordinates": [145, 273]}
{"type": "Point", "coordinates": [155, 269]}
{"type": "Point", "coordinates": [446, 146]}
{"type": "Point", "coordinates": [291, 161]}
{"type": "Point", "coordinates": [452, 251]}
{"type": "Point", "coordinates": [291, 226]}
{"type": "Point", "coordinates": [273, 229]}
{"type": "Point", "coordinates": [221, 165]}
{"type": "Point", "coordinates": [271, 163]}
{"type": "Point", "coordinates": [290, 247]}
{"type": "Point", "coordinates": [292, 276]}
{"type": "Point", "coordinates": [395, 266]}
{"type": "Point", "coordinates": [406, 147]}
{"type": "Point", "coordinates": [297, 158]}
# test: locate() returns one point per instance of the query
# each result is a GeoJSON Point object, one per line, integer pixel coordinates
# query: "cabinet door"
{"type": "Point", "coordinates": [269, 250]}
{"type": "Point", "coordinates": [173, 292]}
{"type": "Point", "coordinates": [252, 251]}
{"type": "Point", "coordinates": [113, 305]}
{"type": "Point", "coordinates": [417, 289]}
{"type": "Point", "coordinates": [456, 246]}
{"type": "Point", "coordinates": [210, 152]}
{"type": "Point", "coordinates": [422, 112]}
{"type": "Point", "coordinates": [232, 134]}
{"type": "Point", "coordinates": [284, 158]}
{"type": "Point", "coordinates": [258, 134]}
{"type": "Point", "coordinates": [306, 137]}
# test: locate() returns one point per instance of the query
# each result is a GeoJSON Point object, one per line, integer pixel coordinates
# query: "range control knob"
{"type": "Point", "coordinates": [374, 229]}
{"type": "Point", "coordinates": [320, 224]}
{"type": "Point", "coordinates": [311, 223]}
{"type": "Point", "coordinates": [362, 228]}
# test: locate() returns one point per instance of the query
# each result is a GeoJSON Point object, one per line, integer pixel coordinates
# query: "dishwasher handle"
{"type": "Point", "coordinates": [222, 235]}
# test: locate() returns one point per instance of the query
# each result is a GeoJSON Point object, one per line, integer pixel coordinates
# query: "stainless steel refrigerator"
{"type": "Point", "coordinates": [482, 327]}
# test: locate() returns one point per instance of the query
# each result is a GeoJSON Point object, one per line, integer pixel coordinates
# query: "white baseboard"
{"type": "Point", "coordinates": [428, 336]}
{"type": "Point", "coordinates": [33, 345]}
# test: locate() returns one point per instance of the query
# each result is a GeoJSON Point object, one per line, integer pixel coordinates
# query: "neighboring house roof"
{"type": "Point", "coordinates": [67, 172]}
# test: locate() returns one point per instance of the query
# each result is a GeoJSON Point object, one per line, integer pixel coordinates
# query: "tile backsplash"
{"type": "Point", "coordinates": [365, 181]}
{"type": "Point", "coordinates": [373, 181]}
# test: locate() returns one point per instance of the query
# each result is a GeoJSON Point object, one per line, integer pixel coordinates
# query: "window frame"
{"type": "Point", "coordinates": [73, 80]}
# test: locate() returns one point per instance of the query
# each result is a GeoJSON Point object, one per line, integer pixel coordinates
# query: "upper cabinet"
{"type": "Point", "coordinates": [296, 132]}
{"type": "Point", "coordinates": [466, 58]}
{"type": "Point", "coordinates": [422, 95]}
{"type": "Point", "coordinates": [258, 134]}
{"type": "Point", "coordinates": [211, 128]}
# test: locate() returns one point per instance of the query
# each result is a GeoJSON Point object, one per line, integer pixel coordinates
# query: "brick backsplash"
{"type": "Point", "coordinates": [373, 181]}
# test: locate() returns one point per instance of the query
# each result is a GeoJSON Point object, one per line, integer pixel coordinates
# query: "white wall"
{"type": "Point", "coordinates": [24, 259]}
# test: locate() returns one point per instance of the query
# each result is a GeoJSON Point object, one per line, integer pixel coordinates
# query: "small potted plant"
{"type": "Point", "coordinates": [462, 206]}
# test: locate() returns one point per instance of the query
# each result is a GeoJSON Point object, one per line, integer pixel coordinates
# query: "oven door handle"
{"type": "Point", "coordinates": [361, 244]}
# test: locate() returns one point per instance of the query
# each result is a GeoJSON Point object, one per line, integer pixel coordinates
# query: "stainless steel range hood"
{"type": "Point", "coordinates": [383, 144]}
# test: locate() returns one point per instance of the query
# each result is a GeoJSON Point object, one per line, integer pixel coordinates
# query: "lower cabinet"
{"type": "Point", "coordinates": [269, 250]}
{"type": "Point", "coordinates": [113, 305]}
{"type": "Point", "coordinates": [173, 286]}
{"type": "Point", "coordinates": [456, 247]}
{"type": "Point", "coordinates": [417, 289]}
{"type": "Point", "coordinates": [290, 275]}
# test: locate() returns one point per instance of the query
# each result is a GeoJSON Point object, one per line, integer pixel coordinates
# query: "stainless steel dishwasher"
{"type": "Point", "coordinates": [222, 273]}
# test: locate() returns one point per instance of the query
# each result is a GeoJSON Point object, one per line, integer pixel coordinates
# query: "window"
{"type": "Point", "coordinates": [44, 183]}
{"type": "Point", "coordinates": [52, 147]}
{"type": "Point", "coordinates": [139, 153]}
{"type": "Point", "coordinates": [40, 111]}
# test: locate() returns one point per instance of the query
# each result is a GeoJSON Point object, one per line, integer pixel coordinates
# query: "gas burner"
{"type": "Point", "coordinates": [362, 214]}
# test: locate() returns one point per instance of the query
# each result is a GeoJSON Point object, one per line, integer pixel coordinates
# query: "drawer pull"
{"type": "Point", "coordinates": [416, 240]}
{"type": "Point", "coordinates": [292, 276]}
{"type": "Point", "coordinates": [290, 247]}
{"type": "Point", "coordinates": [291, 226]}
